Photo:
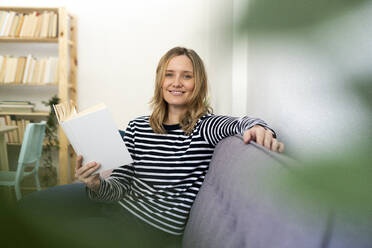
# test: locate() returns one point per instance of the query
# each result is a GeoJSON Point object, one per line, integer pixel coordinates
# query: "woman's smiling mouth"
{"type": "Point", "coordinates": [176, 92]}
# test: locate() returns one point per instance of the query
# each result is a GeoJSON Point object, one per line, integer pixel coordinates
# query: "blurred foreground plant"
{"type": "Point", "coordinates": [276, 16]}
{"type": "Point", "coordinates": [342, 182]}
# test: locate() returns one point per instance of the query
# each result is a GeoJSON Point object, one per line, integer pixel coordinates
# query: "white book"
{"type": "Point", "coordinates": [31, 70]}
{"type": "Point", "coordinates": [9, 23]}
{"type": "Point", "coordinates": [50, 24]}
{"type": "Point", "coordinates": [10, 71]}
{"type": "Point", "coordinates": [55, 25]}
{"type": "Point", "coordinates": [2, 20]}
{"type": "Point", "coordinates": [54, 71]}
{"type": "Point", "coordinates": [45, 23]}
{"type": "Point", "coordinates": [1, 61]}
{"type": "Point", "coordinates": [93, 134]}
{"type": "Point", "coordinates": [27, 68]}
{"type": "Point", "coordinates": [45, 78]}
{"type": "Point", "coordinates": [25, 24]}
{"type": "Point", "coordinates": [6, 19]}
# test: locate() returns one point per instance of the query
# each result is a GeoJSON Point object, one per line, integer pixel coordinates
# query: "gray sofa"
{"type": "Point", "coordinates": [242, 204]}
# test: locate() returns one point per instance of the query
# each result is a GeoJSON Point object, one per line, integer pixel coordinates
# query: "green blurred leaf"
{"type": "Point", "coordinates": [290, 15]}
{"type": "Point", "coordinates": [362, 86]}
{"type": "Point", "coordinates": [343, 183]}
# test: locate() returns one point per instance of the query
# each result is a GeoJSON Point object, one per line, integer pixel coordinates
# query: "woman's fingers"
{"type": "Point", "coordinates": [86, 170]}
{"type": "Point", "coordinates": [247, 136]}
{"type": "Point", "coordinates": [79, 162]}
{"type": "Point", "coordinates": [263, 137]}
{"type": "Point", "coordinates": [260, 134]}
{"type": "Point", "coordinates": [275, 145]}
{"type": "Point", "coordinates": [90, 171]}
{"type": "Point", "coordinates": [268, 139]}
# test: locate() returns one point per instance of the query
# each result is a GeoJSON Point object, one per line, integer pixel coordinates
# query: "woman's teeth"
{"type": "Point", "coordinates": [176, 93]}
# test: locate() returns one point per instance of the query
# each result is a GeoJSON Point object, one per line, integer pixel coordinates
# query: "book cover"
{"type": "Point", "coordinates": [13, 26]}
{"type": "Point", "coordinates": [38, 25]}
{"type": "Point", "coordinates": [9, 22]}
{"type": "Point", "coordinates": [19, 108]}
{"type": "Point", "coordinates": [20, 24]}
{"type": "Point", "coordinates": [2, 20]}
{"type": "Point", "coordinates": [93, 134]}
{"type": "Point", "coordinates": [3, 69]}
{"type": "Point", "coordinates": [20, 69]}
{"type": "Point", "coordinates": [27, 66]}
{"type": "Point", "coordinates": [55, 25]}
{"type": "Point", "coordinates": [4, 24]}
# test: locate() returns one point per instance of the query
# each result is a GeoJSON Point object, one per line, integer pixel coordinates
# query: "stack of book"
{"type": "Point", "coordinates": [35, 24]}
{"type": "Point", "coordinates": [16, 106]}
{"type": "Point", "coordinates": [28, 70]}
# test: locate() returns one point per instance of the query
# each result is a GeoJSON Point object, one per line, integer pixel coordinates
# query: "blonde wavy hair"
{"type": "Point", "coordinates": [197, 104]}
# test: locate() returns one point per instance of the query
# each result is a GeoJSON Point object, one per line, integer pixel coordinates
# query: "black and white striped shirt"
{"type": "Point", "coordinates": [168, 170]}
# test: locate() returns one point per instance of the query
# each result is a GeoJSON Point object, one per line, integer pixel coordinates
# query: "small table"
{"type": "Point", "coordinates": [3, 149]}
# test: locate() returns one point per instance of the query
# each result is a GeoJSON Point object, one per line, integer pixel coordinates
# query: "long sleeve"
{"type": "Point", "coordinates": [129, 139]}
{"type": "Point", "coordinates": [216, 127]}
{"type": "Point", "coordinates": [115, 187]}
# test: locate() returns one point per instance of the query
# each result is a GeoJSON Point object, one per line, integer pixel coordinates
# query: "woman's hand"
{"type": "Point", "coordinates": [263, 137]}
{"type": "Point", "coordinates": [84, 173]}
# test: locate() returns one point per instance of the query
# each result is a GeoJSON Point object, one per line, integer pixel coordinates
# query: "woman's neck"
{"type": "Point", "coordinates": [174, 116]}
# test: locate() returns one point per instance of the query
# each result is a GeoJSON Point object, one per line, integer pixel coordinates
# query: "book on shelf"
{"type": "Point", "coordinates": [93, 134]}
{"type": "Point", "coordinates": [16, 106]}
{"type": "Point", "coordinates": [36, 24]}
{"type": "Point", "coordinates": [15, 102]}
{"type": "Point", "coordinates": [3, 124]}
{"type": "Point", "coordinates": [15, 136]}
{"type": "Point", "coordinates": [28, 70]}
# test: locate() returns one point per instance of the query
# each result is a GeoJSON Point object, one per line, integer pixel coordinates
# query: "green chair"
{"type": "Point", "coordinates": [29, 155]}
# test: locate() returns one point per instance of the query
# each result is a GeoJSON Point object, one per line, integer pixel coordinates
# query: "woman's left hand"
{"type": "Point", "coordinates": [263, 137]}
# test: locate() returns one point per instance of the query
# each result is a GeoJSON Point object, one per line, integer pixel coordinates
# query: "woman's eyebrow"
{"type": "Point", "coordinates": [182, 71]}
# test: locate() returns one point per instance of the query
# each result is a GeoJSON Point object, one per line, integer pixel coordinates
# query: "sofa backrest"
{"type": "Point", "coordinates": [237, 206]}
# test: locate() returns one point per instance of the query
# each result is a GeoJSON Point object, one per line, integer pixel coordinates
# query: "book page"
{"type": "Point", "coordinates": [95, 136]}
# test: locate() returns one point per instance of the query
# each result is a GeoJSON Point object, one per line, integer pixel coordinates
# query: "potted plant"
{"type": "Point", "coordinates": [47, 172]}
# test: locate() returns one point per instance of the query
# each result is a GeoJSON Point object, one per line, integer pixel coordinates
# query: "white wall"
{"type": "Point", "coordinates": [300, 84]}
{"type": "Point", "coordinates": [291, 82]}
{"type": "Point", "coordinates": [121, 42]}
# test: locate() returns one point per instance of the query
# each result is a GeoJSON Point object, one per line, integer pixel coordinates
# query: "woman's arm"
{"type": "Point", "coordinates": [112, 188]}
{"type": "Point", "coordinates": [216, 127]}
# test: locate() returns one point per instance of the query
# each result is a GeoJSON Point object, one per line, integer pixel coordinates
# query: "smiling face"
{"type": "Point", "coordinates": [179, 82]}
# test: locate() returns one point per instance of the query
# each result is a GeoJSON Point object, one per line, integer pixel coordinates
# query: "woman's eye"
{"type": "Point", "coordinates": [168, 74]}
{"type": "Point", "coordinates": [188, 76]}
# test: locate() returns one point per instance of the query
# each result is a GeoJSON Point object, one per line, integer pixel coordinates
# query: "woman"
{"type": "Point", "coordinates": [172, 148]}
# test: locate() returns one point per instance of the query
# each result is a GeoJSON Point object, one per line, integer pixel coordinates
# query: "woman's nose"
{"type": "Point", "coordinates": [177, 81]}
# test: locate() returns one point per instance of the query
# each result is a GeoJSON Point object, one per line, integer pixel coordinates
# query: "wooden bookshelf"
{"type": "Point", "coordinates": [67, 76]}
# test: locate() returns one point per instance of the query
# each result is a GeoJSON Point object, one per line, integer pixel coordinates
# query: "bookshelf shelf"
{"type": "Point", "coordinates": [41, 114]}
{"type": "Point", "coordinates": [66, 43]}
{"type": "Point", "coordinates": [28, 39]}
{"type": "Point", "coordinates": [27, 9]}
{"type": "Point", "coordinates": [28, 84]}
